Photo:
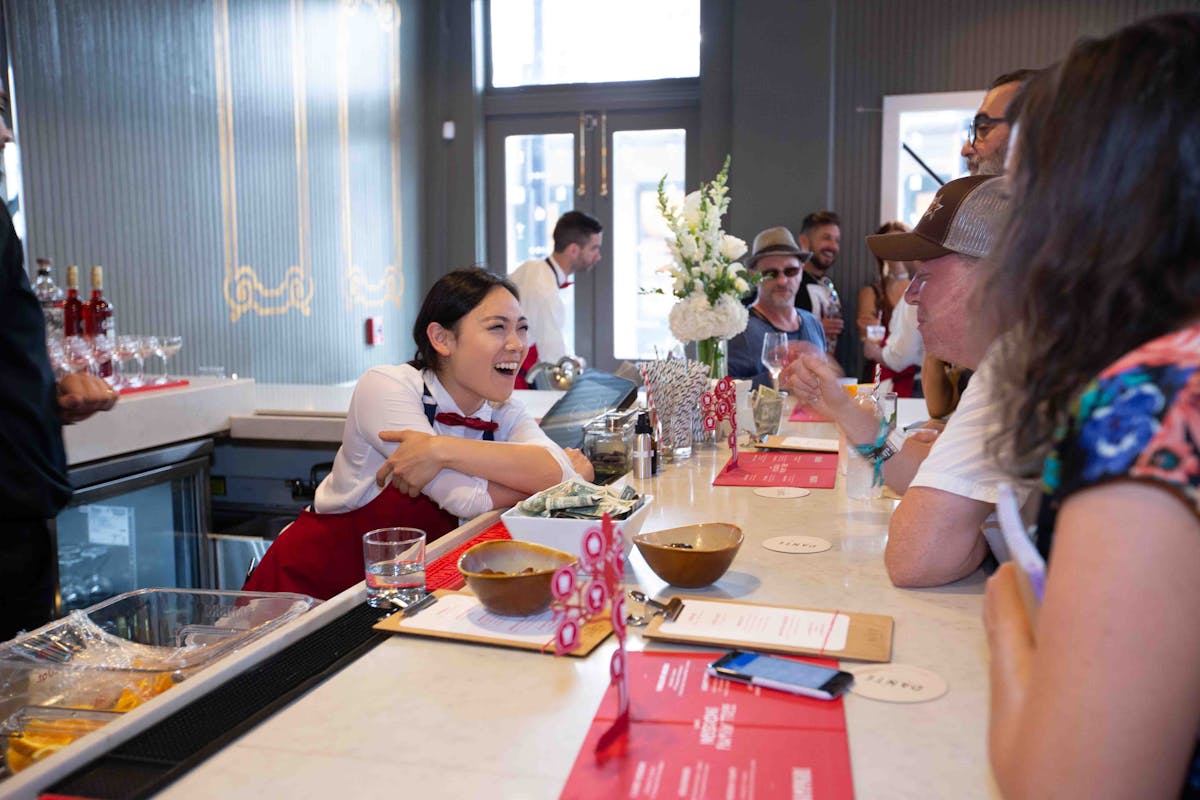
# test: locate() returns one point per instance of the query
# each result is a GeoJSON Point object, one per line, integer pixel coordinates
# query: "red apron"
{"type": "Point", "coordinates": [322, 554]}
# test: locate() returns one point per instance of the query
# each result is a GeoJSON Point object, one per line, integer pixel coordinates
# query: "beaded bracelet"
{"type": "Point", "coordinates": [878, 452]}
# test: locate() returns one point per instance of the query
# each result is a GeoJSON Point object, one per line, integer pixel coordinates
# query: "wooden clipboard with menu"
{"type": "Point", "coordinates": [838, 634]}
{"type": "Point", "coordinates": [459, 616]}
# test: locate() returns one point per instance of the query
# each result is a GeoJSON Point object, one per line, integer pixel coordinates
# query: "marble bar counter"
{"type": "Point", "coordinates": [157, 417]}
{"type": "Point", "coordinates": [447, 719]}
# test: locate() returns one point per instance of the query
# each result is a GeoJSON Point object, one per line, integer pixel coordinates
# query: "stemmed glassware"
{"type": "Point", "coordinates": [147, 346]}
{"type": "Point", "coordinates": [79, 355]}
{"type": "Point", "coordinates": [167, 347]}
{"type": "Point", "coordinates": [129, 349]}
{"type": "Point", "coordinates": [775, 354]}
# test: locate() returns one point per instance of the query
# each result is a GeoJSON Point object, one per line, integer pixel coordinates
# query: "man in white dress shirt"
{"type": "Point", "coordinates": [577, 241]}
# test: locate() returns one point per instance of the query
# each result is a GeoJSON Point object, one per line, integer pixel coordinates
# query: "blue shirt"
{"type": "Point", "coordinates": [745, 349]}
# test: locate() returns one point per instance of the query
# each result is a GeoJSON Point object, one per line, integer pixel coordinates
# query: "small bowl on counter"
{"type": "Point", "coordinates": [691, 556]}
{"type": "Point", "coordinates": [512, 578]}
{"type": "Point", "coordinates": [567, 534]}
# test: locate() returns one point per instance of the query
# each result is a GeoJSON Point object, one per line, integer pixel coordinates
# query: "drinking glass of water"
{"type": "Point", "coordinates": [395, 565]}
{"type": "Point", "coordinates": [775, 354]}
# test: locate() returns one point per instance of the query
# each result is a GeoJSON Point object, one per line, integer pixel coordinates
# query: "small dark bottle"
{"type": "Point", "coordinates": [73, 306]}
{"type": "Point", "coordinates": [98, 313]}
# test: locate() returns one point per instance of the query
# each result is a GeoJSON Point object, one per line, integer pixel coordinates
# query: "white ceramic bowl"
{"type": "Point", "coordinates": [566, 534]}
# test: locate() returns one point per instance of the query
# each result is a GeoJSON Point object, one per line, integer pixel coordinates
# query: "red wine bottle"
{"type": "Point", "coordinates": [98, 314]}
{"type": "Point", "coordinates": [73, 306]}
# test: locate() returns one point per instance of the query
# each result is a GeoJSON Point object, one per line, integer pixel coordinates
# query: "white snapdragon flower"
{"type": "Point", "coordinates": [732, 248]}
{"type": "Point", "coordinates": [687, 248]}
{"type": "Point", "coordinates": [740, 285]}
{"type": "Point", "coordinates": [691, 209]}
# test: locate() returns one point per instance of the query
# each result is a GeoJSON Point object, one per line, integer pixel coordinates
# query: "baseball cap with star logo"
{"type": "Point", "coordinates": [965, 217]}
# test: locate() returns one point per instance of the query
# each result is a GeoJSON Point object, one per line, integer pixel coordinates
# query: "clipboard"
{"type": "Point", "coordinates": [436, 622]}
{"type": "Point", "coordinates": [867, 637]}
{"type": "Point", "coordinates": [805, 444]}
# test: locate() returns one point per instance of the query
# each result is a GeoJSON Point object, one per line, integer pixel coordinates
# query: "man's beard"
{"type": "Point", "coordinates": [991, 165]}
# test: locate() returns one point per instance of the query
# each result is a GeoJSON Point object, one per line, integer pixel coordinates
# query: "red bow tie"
{"type": "Point", "coordinates": [474, 423]}
{"type": "Point", "coordinates": [564, 284]}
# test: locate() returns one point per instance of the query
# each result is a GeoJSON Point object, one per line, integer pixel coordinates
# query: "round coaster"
{"type": "Point", "coordinates": [782, 492]}
{"type": "Point", "coordinates": [797, 544]}
{"type": "Point", "coordinates": [897, 683]}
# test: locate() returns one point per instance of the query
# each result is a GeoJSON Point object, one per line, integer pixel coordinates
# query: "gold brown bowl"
{"type": "Point", "coordinates": [693, 555]}
{"type": "Point", "coordinates": [511, 591]}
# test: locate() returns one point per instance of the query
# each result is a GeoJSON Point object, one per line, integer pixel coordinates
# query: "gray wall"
{"type": "Point", "coordinates": [781, 91]}
{"type": "Point", "coordinates": [127, 163]}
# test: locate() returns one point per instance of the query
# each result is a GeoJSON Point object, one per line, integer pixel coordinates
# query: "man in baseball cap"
{"type": "Point", "coordinates": [950, 481]}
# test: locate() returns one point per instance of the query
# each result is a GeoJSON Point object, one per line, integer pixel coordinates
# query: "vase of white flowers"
{"type": "Point", "coordinates": [705, 273]}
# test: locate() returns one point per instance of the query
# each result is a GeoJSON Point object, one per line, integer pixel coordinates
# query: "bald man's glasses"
{"type": "Point", "coordinates": [982, 125]}
{"type": "Point", "coordinates": [772, 274]}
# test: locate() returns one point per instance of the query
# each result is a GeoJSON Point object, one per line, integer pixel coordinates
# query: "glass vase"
{"type": "Point", "coordinates": [714, 352]}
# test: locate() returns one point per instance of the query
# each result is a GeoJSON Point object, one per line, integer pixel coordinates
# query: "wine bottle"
{"type": "Point", "coordinates": [50, 296]}
{"type": "Point", "coordinates": [98, 314]}
{"type": "Point", "coordinates": [72, 305]}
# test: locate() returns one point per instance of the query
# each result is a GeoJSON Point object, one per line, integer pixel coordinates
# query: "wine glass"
{"type": "Point", "coordinates": [102, 352]}
{"type": "Point", "coordinates": [129, 349]}
{"type": "Point", "coordinates": [831, 307]}
{"type": "Point", "coordinates": [79, 355]}
{"type": "Point", "coordinates": [167, 347]}
{"type": "Point", "coordinates": [147, 346]}
{"type": "Point", "coordinates": [775, 354]}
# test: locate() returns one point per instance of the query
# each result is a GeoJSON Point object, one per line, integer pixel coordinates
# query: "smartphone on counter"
{"type": "Point", "coordinates": [796, 677]}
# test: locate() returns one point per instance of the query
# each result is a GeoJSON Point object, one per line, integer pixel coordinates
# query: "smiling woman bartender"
{"type": "Point", "coordinates": [440, 434]}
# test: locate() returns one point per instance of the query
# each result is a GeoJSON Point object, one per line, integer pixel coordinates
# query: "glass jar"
{"type": "Point", "coordinates": [608, 444]}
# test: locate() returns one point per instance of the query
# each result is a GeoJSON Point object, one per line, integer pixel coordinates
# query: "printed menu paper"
{"type": "Point", "coordinates": [804, 470]}
{"type": "Point", "coordinates": [459, 616]}
{"type": "Point", "coordinates": [798, 443]}
{"type": "Point", "coordinates": [751, 626]}
{"type": "Point", "coordinates": [693, 736]}
{"type": "Point", "coordinates": [462, 614]}
{"type": "Point", "coordinates": [771, 626]}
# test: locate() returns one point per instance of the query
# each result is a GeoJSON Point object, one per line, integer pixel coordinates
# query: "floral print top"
{"type": "Point", "coordinates": [1140, 418]}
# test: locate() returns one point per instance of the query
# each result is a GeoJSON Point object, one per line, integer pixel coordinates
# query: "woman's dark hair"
{"type": "Point", "coordinates": [891, 226]}
{"type": "Point", "coordinates": [1102, 252]}
{"type": "Point", "coordinates": [451, 299]}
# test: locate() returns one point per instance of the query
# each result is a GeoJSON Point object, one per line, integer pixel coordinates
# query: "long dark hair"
{"type": "Point", "coordinates": [891, 226]}
{"type": "Point", "coordinates": [451, 299]}
{"type": "Point", "coordinates": [1102, 252]}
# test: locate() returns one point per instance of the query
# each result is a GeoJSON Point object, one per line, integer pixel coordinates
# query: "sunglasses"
{"type": "Point", "coordinates": [772, 274]}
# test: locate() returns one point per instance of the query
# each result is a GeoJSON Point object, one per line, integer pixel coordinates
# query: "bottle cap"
{"type": "Point", "coordinates": [97, 277]}
{"type": "Point", "coordinates": [73, 277]}
{"type": "Point", "coordinates": [643, 423]}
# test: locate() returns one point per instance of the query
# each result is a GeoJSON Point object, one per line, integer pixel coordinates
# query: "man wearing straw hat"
{"type": "Point", "coordinates": [779, 262]}
{"type": "Point", "coordinates": [937, 533]}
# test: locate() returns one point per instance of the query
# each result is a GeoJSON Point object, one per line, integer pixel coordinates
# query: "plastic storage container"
{"type": "Point", "coordinates": [117, 654]}
{"type": "Point", "coordinates": [35, 732]}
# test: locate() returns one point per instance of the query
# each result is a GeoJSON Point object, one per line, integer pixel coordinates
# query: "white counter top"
{"type": "Point", "coordinates": [305, 413]}
{"type": "Point", "coordinates": [162, 416]}
{"type": "Point", "coordinates": [448, 719]}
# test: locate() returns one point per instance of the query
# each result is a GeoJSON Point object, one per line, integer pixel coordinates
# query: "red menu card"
{"type": "Point", "coordinates": [694, 736]}
{"type": "Point", "coordinates": [806, 470]}
{"type": "Point", "coordinates": [805, 414]}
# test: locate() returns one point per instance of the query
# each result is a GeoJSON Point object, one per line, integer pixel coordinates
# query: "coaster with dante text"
{"type": "Point", "coordinates": [897, 683]}
{"type": "Point", "coordinates": [797, 544]}
{"type": "Point", "coordinates": [782, 492]}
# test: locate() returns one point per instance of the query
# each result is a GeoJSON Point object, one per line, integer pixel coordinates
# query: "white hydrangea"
{"type": "Point", "coordinates": [694, 318]}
